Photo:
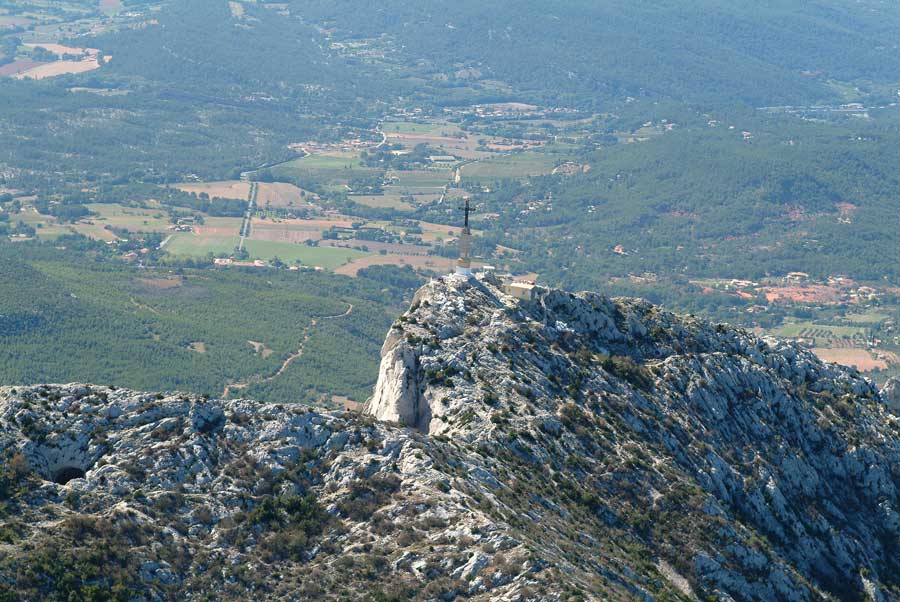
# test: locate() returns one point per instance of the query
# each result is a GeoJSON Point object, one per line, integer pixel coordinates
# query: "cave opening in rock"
{"type": "Point", "coordinates": [67, 473]}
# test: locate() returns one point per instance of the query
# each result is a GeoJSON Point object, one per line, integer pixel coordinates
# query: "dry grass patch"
{"type": "Point", "coordinates": [95, 231]}
{"type": "Point", "coordinates": [860, 358]}
{"type": "Point", "coordinates": [260, 349]}
{"type": "Point", "coordinates": [812, 293]}
{"type": "Point", "coordinates": [20, 66]}
{"type": "Point", "coordinates": [281, 194]}
{"type": "Point", "coordinates": [229, 189]}
{"type": "Point", "coordinates": [420, 262]}
{"type": "Point", "coordinates": [60, 68]}
{"type": "Point", "coordinates": [346, 403]}
{"type": "Point", "coordinates": [388, 201]}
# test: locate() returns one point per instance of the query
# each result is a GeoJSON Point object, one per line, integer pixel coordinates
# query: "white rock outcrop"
{"type": "Point", "coordinates": [569, 446]}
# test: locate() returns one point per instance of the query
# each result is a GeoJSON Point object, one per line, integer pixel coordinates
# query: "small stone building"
{"type": "Point", "coordinates": [519, 290]}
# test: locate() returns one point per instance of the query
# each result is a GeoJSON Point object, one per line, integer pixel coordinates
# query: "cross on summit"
{"type": "Point", "coordinates": [463, 264]}
{"type": "Point", "coordinates": [467, 210]}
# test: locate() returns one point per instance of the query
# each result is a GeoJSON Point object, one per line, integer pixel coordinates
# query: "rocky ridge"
{"type": "Point", "coordinates": [567, 447]}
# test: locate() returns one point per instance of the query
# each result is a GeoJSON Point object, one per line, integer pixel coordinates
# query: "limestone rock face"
{"type": "Point", "coordinates": [891, 394]}
{"type": "Point", "coordinates": [398, 394]}
{"type": "Point", "coordinates": [746, 466]}
{"type": "Point", "coordinates": [566, 447]}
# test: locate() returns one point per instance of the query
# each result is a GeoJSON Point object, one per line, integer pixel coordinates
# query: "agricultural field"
{"type": "Point", "coordinates": [328, 258]}
{"type": "Point", "coordinates": [387, 201]}
{"type": "Point", "coordinates": [871, 317]}
{"type": "Point", "coordinates": [437, 232]}
{"type": "Point", "coordinates": [70, 60]}
{"type": "Point", "coordinates": [293, 230]}
{"type": "Point", "coordinates": [412, 181]}
{"type": "Point", "coordinates": [19, 66]}
{"type": "Point", "coordinates": [861, 359]}
{"type": "Point", "coordinates": [59, 68]}
{"type": "Point", "coordinates": [844, 344]}
{"type": "Point", "coordinates": [514, 166]}
{"type": "Point", "coordinates": [134, 219]}
{"type": "Point", "coordinates": [231, 189]}
{"type": "Point", "coordinates": [283, 195]}
{"type": "Point", "coordinates": [325, 169]}
{"type": "Point", "coordinates": [217, 240]}
{"type": "Point", "coordinates": [449, 138]}
{"type": "Point", "coordinates": [420, 195]}
{"type": "Point", "coordinates": [812, 293]}
{"type": "Point", "coordinates": [820, 331]}
{"type": "Point", "coordinates": [187, 244]}
{"type": "Point", "coordinates": [93, 230]}
{"type": "Point", "coordinates": [391, 128]}
{"type": "Point", "coordinates": [431, 263]}
{"type": "Point", "coordinates": [219, 226]}
{"type": "Point", "coordinates": [46, 227]}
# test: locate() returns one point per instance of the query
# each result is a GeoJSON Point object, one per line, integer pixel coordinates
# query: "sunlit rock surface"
{"type": "Point", "coordinates": [568, 447]}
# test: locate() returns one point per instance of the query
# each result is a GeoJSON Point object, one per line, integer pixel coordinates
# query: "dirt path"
{"type": "Point", "coordinates": [140, 305]}
{"type": "Point", "coordinates": [290, 359]}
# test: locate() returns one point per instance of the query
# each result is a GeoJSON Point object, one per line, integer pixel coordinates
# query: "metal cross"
{"type": "Point", "coordinates": [467, 209]}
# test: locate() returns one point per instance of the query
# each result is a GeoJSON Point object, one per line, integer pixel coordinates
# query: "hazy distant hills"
{"type": "Point", "coordinates": [708, 52]}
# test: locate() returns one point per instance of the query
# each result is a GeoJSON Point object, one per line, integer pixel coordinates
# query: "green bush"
{"type": "Point", "coordinates": [628, 370]}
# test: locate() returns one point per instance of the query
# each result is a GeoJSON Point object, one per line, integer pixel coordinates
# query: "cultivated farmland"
{"type": "Point", "coordinates": [449, 138]}
{"type": "Point", "coordinates": [281, 194]}
{"type": "Point", "coordinates": [231, 189]}
{"type": "Point", "coordinates": [325, 169]}
{"type": "Point", "coordinates": [134, 219]}
{"type": "Point", "coordinates": [510, 166]}
{"type": "Point", "coordinates": [389, 201]}
{"type": "Point", "coordinates": [293, 230]}
{"type": "Point", "coordinates": [860, 358]}
{"type": "Point", "coordinates": [427, 262]}
{"type": "Point", "coordinates": [194, 245]}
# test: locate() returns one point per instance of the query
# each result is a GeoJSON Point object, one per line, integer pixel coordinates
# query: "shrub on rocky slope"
{"type": "Point", "coordinates": [571, 447]}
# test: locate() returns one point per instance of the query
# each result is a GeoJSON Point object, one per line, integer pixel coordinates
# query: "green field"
{"type": "Point", "coordinates": [389, 201]}
{"type": "Point", "coordinates": [421, 178]}
{"type": "Point", "coordinates": [47, 228]}
{"type": "Point", "coordinates": [223, 223]}
{"type": "Point", "coordinates": [129, 218]}
{"type": "Point", "coordinates": [511, 166]}
{"type": "Point", "coordinates": [324, 169]}
{"type": "Point", "coordinates": [406, 127]}
{"type": "Point", "coordinates": [867, 318]}
{"type": "Point", "coordinates": [798, 329]}
{"type": "Point", "coordinates": [187, 244]}
{"type": "Point", "coordinates": [326, 257]}
{"type": "Point", "coordinates": [191, 245]}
